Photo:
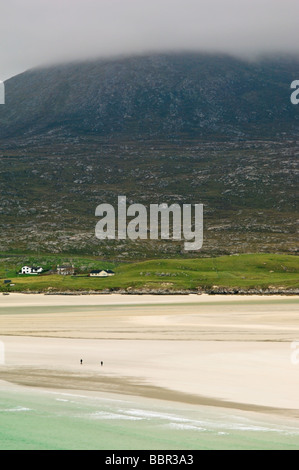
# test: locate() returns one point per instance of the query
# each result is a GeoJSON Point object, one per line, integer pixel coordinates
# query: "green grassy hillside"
{"type": "Point", "coordinates": [241, 272]}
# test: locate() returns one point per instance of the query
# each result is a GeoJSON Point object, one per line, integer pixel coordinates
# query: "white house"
{"type": "Point", "coordinates": [101, 273]}
{"type": "Point", "coordinates": [98, 273]}
{"type": "Point", "coordinates": [31, 270]}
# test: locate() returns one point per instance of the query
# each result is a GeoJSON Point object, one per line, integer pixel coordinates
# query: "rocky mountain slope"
{"type": "Point", "coordinates": [165, 96]}
{"type": "Point", "coordinates": [184, 128]}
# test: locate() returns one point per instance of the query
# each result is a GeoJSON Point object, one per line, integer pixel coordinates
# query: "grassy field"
{"type": "Point", "coordinates": [249, 271]}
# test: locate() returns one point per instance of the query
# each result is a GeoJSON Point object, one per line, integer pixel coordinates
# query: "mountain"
{"type": "Point", "coordinates": [186, 128]}
{"type": "Point", "coordinates": [159, 96]}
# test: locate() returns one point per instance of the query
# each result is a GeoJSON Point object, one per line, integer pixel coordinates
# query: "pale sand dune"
{"type": "Point", "coordinates": [220, 351]}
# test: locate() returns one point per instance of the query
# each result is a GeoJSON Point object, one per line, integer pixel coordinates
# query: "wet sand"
{"type": "Point", "coordinates": [221, 351]}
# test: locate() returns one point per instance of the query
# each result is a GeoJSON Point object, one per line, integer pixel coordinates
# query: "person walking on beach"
{"type": "Point", "coordinates": [81, 361]}
{"type": "Point", "coordinates": [102, 363]}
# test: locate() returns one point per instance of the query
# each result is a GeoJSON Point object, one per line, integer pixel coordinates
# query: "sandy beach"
{"type": "Point", "coordinates": [220, 351]}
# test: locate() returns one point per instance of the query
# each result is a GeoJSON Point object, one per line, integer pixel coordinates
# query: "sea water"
{"type": "Point", "coordinates": [32, 419]}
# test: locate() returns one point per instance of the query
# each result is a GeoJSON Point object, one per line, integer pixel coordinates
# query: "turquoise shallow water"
{"type": "Point", "coordinates": [35, 419]}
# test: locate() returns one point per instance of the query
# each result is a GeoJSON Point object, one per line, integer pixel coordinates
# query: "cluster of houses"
{"type": "Point", "coordinates": [66, 270]}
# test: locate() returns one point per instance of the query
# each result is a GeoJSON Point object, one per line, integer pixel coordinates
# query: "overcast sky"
{"type": "Point", "coordinates": [37, 32]}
